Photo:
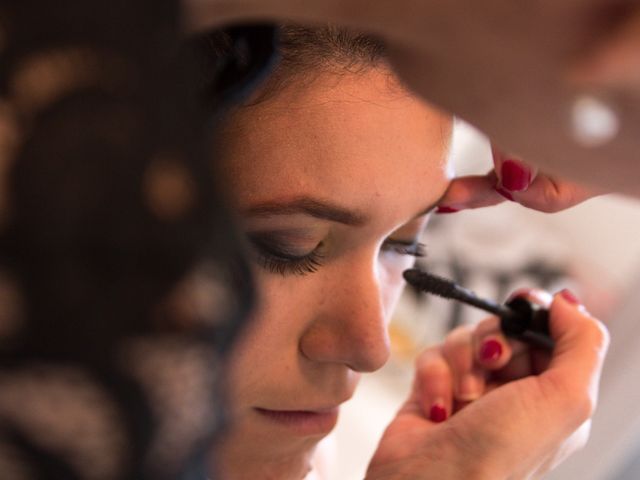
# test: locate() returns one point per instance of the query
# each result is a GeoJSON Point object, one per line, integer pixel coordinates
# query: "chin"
{"type": "Point", "coordinates": [257, 450]}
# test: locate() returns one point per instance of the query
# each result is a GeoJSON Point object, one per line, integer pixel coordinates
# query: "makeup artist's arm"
{"type": "Point", "coordinates": [613, 63]}
{"type": "Point", "coordinates": [533, 412]}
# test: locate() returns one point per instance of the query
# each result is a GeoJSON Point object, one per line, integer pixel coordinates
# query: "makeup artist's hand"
{"type": "Point", "coordinates": [516, 181]}
{"type": "Point", "coordinates": [483, 407]}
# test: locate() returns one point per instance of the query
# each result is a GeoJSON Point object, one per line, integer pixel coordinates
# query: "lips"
{"type": "Point", "coordinates": [302, 422]}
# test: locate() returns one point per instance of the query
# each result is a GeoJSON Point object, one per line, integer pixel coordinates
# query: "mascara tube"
{"type": "Point", "coordinates": [530, 324]}
{"type": "Point", "coordinates": [519, 318]}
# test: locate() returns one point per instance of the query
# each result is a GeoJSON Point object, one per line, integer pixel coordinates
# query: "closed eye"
{"type": "Point", "coordinates": [277, 258]}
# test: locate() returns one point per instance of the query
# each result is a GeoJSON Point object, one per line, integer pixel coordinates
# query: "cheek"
{"type": "Point", "coordinates": [274, 326]}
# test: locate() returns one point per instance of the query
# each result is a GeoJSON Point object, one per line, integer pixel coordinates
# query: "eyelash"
{"type": "Point", "coordinates": [275, 260]}
{"type": "Point", "coordinates": [414, 249]}
{"type": "Point", "coordinates": [281, 263]}
{"type": "Point", "coordinates": [285, 265]}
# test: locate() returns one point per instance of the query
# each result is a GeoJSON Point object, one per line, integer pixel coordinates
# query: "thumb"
{"type": "Point", "coordinates": [547, 194]}
{"type": "Point", "coordinates": [581, 345]}
{"type": "Point", "coordinates": [520, 182]}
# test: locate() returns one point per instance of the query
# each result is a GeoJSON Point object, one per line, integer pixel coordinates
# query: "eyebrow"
{"type": "Point", "coordinates": [318, 209]}
{"type": "Point", "coordinates": [309, 206]}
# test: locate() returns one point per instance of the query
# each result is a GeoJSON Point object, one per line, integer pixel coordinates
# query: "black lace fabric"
{"type": "Point", "coordinates": [122, 285]}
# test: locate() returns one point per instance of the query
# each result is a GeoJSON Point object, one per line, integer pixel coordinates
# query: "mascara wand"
{"type": "Point", "coordinates": [519, 318]}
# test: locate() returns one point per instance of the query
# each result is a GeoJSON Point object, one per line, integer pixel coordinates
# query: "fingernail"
{"type": "Point", "coordinates": [515, 176]}
{"type": "Point", "coordinates": [443, 209]}
{"type": "Point", "coordinates": [570, 297]}
{"type": "Point", "coordinates": [504, 193]}
{"type": "Point", "coordinates": [469, 388]}
{"type": "Point", "coordinates": [521, 292]}
{"type": "Point", "coordinates": [490, 350]}
{"type": "Point", "coordinates": [437, 413]}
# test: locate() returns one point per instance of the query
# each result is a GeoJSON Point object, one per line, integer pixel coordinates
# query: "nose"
{"type": "Point", "coordinates": [350, 326]}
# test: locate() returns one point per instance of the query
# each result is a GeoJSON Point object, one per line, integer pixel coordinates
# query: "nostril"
{"type": "Point", "coordinates": [362, 347]}
{"type": "Point", "coordinates": [371, 351]}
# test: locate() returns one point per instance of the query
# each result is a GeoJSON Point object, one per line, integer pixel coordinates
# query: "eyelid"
{"type": "Point", "coordinates": [278, 246]}
{"type": "Point", "coordinates": [272, 247]}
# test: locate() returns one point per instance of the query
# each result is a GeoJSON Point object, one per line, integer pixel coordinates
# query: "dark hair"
{"type": "Point", "coordinates": [302, 49]}
{"type": "Point", "coordinates": [328, 46]}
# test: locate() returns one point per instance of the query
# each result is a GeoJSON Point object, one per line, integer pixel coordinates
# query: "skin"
{"type": "Point", "coordinates": [613, 63]}
{"type": "Point", "coordinates": [358, 142]}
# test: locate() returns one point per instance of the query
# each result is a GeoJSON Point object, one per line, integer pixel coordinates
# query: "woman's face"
{"type": "Point", "coordinates": [334, 181]}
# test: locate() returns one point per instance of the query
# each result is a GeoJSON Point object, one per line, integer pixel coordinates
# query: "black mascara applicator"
{"type": "Point", "coordinates": [519, 318]}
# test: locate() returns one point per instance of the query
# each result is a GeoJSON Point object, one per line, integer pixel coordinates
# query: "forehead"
{"type": "Point", "coordinates": [358, 139]}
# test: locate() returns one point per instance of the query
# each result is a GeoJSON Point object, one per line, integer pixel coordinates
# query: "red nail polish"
{"type": "Point", "coordinates": [437, 413]}
{"type": "Point", "coordinates": [490, 350]}
{"type": "Point", "coordinates": [443, 209]}
{"type": "Point", "coordinates": [570, 297]}
{"type": "Point", "coordinates": [515, 177]}
{"type": "Point", "coordinates": [504, 193]}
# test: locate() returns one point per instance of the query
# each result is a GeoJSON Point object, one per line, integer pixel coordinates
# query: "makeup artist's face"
{"type": "Point", "coordinates": [334, 181]}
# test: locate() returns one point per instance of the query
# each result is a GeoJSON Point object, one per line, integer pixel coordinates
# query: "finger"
{"type": "Point", "coordinates": [581, 343]}
{"type": "Point", "coordinates": [615, 63]}
{"type": "Point", "coordinates": [549, 195]}
{"type": "Point", "coordinates": [512, 173]}
{"type": "Point", "coordinates": [492, 349]}
{"type": "Point", "coordinates": [506, 359]}
{"type": "Point", "coordinates": [535, 296]}
{"type": "Point", "coordinates": [537, 360]}
{"type": "Point", "coordinates": [468, 378]}
{"type": "Point", "coordinates": [434, 385]}
{"type": "Point", "coordinates": [474, 191]}
{"type": "Point", "coordinates": [522, 183]}
{"type": "Point", "coordinates": [509, 359]}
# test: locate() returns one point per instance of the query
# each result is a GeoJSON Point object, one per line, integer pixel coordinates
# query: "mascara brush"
{"type": "Point", "coordinates": [519, 318]}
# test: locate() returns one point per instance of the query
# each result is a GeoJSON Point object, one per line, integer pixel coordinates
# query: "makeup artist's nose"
{"type": "Point", "coordinates": [350, 327]}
